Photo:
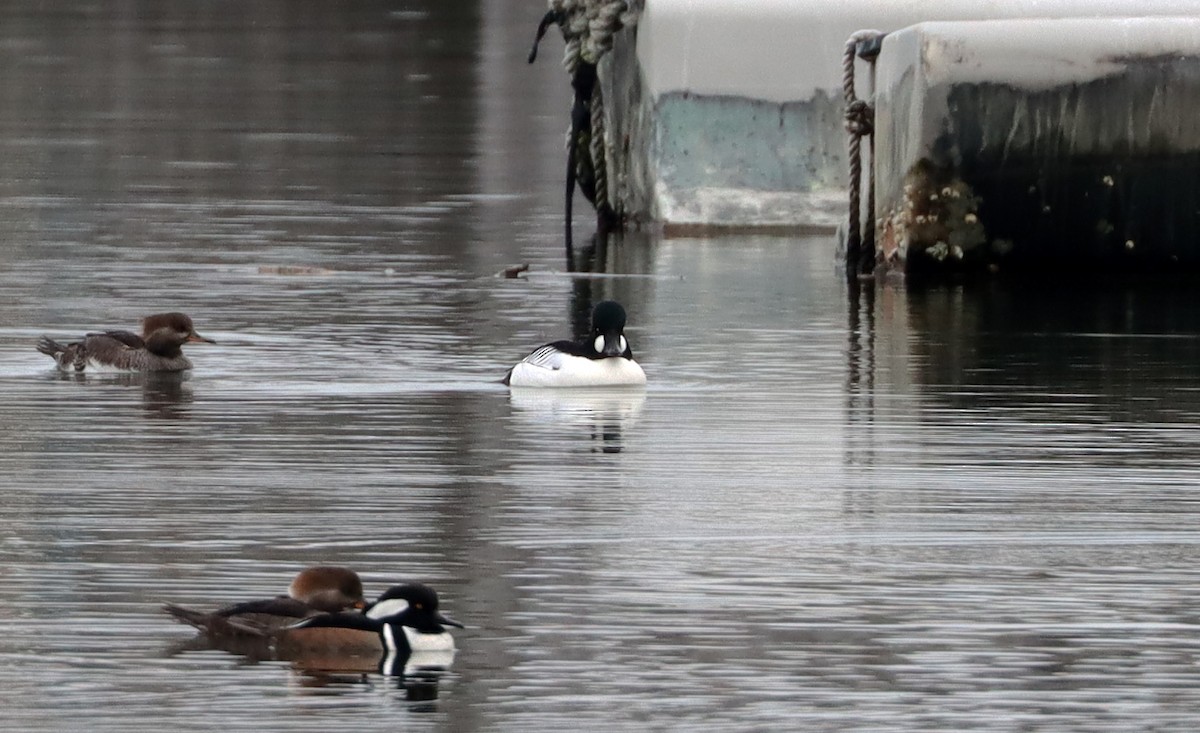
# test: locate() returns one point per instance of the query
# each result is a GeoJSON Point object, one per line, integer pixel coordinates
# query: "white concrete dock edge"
{"type": "Point", "coordinates": [728, 113]}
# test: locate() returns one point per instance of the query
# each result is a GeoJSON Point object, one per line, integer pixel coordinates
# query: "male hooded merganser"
{"type": "Point", "coordinates": [603, 359]}
{"type": "Point", "coordinates": [156, 350]}
{"type": "Point", "coordinates": [316, 591]}
{"type": "Point", "coordinates": [404, 621]}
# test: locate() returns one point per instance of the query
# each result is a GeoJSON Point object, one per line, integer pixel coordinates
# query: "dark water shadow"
{"type": "Point", "coordinates": [860, 448]}
{"type": "Point", "coordinates": [1125, 350]}
{"type": "Point", "coordinates": [589, 259]}
{"type": "Point", "coordinates": [165, 395]}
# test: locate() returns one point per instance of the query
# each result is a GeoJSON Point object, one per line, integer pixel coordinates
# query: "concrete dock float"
{"type": "Point", "coordinates": [729, 113]}
{"type": "Point", "coordinates": [1069, 144]}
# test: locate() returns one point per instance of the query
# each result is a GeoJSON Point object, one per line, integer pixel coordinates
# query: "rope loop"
{"type": "Point", "coordinates": [860, 123]}
{"type": "Point", "coordinates": [860, 118]}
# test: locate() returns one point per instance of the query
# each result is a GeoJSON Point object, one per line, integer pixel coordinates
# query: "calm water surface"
{"type": "Point", "coordinates": [948, 509]}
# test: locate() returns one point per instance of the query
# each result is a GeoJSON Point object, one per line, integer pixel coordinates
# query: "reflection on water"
{"type": "Point", "coordinates": [418, 690]}
{"type": "Point", "coordinates": [418, 672]}
{"type": "Point", "coordinates": [164, 395]}
{"type": "Point", "coordinates": [963, 508]}
{"type": "Point", "coordinates": [603, 414]}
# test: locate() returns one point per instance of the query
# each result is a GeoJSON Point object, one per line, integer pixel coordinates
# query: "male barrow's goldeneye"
{"type": "Point", "coordinates": [603, 359]}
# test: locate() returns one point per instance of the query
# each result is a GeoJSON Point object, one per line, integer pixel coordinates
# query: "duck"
{"type": "Point", "coordinates": [157, 349]}
{"type": "Point", "coordinates": [315, 591]}
{"type": "Point", "coordinates": [602, 359]}
{"type": "Point", "coordinates": [404, 622]}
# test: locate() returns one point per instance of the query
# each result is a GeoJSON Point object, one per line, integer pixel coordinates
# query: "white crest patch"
{"type": "Point", "coordinates": [387, 608]}
{"type": "Point", "coordinates": [623, 344]}
{"type": "Point", "coordinates": [598, 344]}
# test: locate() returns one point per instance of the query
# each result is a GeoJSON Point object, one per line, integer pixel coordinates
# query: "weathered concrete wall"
{"type": "Point", "coordinates": [1019, 144]}
{"type": "Point", "coordinates": [731, 110]}
{"type": "Point", "coordinates": [705, 160]}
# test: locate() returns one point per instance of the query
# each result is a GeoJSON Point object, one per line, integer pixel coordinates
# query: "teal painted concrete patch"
{"type": "Point", "coordinates": [734, 142]}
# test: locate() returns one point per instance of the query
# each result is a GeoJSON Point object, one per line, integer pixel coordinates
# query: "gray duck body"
{"type": "Point", "coordinates": [157, 349]}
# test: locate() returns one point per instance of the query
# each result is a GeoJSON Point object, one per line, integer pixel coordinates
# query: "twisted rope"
{"type": "Point", "coordinates": [598, 152]}
{"type": "Point", "coordinates": [588, 30]}
{"type": "Point", "coordinates": [860, 123]}
{"type": "Point", "coordinates": [588, 27]}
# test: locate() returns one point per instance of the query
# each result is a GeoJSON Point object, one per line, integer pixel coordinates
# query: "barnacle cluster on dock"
{"type": "Point", "coordinates": [937, 217]}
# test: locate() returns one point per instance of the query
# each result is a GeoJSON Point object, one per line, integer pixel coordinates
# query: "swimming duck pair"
{"type": "Point", "coordinates": [325, 612]}
{"type": "Point", "coordinates": [602, 359]}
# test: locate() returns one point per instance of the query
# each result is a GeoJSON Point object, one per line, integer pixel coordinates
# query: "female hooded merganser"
{"type": "Point", "coordinates": [603, 359]}
{"type": "Point", "coordinates": [403, 622]}
{"type": "Point", "coordinates": [316, 591]}
{"type": "Point", "coordinates": [156, 350]}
